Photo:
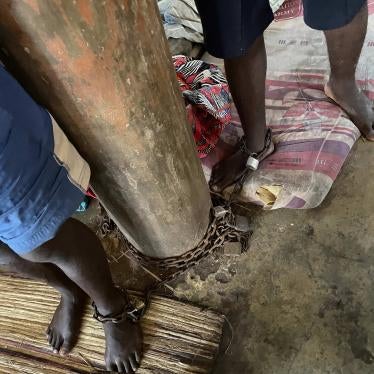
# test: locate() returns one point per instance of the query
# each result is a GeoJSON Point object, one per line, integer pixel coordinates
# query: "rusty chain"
{"type": "Point", "coordinates": [223, 227]}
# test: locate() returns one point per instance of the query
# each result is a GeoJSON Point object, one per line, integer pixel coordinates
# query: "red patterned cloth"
{"type": "Point", "coordinates": [207, 98]}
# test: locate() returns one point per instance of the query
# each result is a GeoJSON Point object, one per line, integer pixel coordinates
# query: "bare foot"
{"type": "Point", "coordinates": [63, 330]}
{"type": "Point", "coordinates": [123, 346]}
{"type": "Point", "coordinates": [353, 101]}
{"type": "Point", "coordinates": [228, 171]}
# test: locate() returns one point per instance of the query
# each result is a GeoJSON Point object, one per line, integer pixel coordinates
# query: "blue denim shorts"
{"type": "Point", "coordinates": [43, 179]}
{"type": "Point", "coordinates": [231, 26]}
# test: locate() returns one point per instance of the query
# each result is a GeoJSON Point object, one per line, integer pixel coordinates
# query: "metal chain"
{"type": "Point", "coordinates": [222, 228]}
{"type": "Point", "coordinates": [243, 147]}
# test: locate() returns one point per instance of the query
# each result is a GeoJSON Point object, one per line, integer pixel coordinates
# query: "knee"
{"type": "Point", "coordinates": [72, 239]}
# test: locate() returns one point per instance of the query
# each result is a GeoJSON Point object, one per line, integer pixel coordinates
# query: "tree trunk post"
{"type": "Point", "coordinates": [103, 69]}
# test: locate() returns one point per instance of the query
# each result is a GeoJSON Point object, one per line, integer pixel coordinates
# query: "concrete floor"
{"type": "Point", "coordinates": [301, 300]}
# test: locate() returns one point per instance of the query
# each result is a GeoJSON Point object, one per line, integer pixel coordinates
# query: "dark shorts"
{"type": "Point", "coordinates": [42, 177]}
{"type": "Point", "coordinates": [231, 26]}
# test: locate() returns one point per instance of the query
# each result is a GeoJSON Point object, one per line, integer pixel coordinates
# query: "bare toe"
{"type": "Point", "coordinates": [127, 367]}
{"type": "Point", "coordinates": [137, 357]}
{"type": "Point", "coordinates": [122, 340]}
{"type": "Point", "coordinates": [133, 362]}
{"type": "Point", "coordinates": [57, 344]}
{"type": "Point", "coordinates": [50, 338]}
{"type": "Point", "coordinates": [63, 330]}
{"type": "Point", "coordinates": [120, 367]}
{"type": "Point", "coordinates": [66, 347]}
{"type": "Point", "coordinates": [53, 341]}
{"type": "Point", "coordinates": [112, 367]}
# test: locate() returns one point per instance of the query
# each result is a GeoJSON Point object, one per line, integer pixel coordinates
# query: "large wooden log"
{"type": "Point", "coordinates": [103, 69]}
{"type": "Point", "coordinates": [178, 338]}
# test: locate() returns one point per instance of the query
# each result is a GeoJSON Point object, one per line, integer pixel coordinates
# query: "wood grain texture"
{"type": "Point", "coordinates": [178, 338]}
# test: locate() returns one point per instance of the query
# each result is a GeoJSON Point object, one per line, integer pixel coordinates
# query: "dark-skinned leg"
{"type": "Point", "coordinates": [344, 46]}
{"type": "Point", "coordinates": [246, 77]}
{"type": "Point", "coordinates": [79, 254]}
{"type": "Point", "coordinates": [62, 332]}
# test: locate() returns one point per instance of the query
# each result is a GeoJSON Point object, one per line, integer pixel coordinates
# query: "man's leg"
{"type": "Point", "coordinates": [344, 45]}
{"type": "Point", "coordinates": [246, 77]}
{"type": "Point", "coordinates": [79, 254]}
{"type": "Point", "coordinates": [63, 330]}
{"type": "Point", "coordinates": [233, 30]}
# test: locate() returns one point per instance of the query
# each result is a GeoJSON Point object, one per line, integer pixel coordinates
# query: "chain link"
{"type": "Point", "coordinates": [222, 228]}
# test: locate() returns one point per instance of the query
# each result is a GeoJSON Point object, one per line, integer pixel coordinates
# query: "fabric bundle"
{"type": "Point", "coordinates": [208, 100]}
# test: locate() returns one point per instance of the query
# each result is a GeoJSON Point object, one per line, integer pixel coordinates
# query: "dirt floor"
{"type": "Point", "coordinates": [301, 300]}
